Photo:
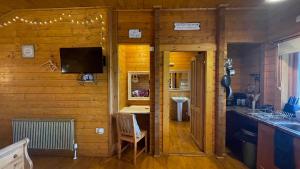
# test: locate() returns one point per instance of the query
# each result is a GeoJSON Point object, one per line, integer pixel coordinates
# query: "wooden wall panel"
{"type": "Point", "coordinates": [246, 60]}
{"type": "Point", "coordinates": [28, 90]}
{"type": "Point", "coordinates": [282, 20]}
{"type": "Point", "coordinates": [132, 58]}
{"type": "Point", "coordinates": [142, 20]}
{"type": "Point", "coordinates": [271, 91]}
{"type": "Point", "coordinates": [122, 77]}
{"type": "Point", "coordinates": [246, 25]}
{"type": "Point", "coordinates": [169, 36]}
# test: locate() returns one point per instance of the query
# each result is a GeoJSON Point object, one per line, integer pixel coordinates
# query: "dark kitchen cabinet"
{"type": "Point", "coordinates": [265, 147]}
{"type": "Point", "coordinates": [297, 152]}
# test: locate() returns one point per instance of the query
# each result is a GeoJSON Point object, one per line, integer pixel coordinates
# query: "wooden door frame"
{"type": "Point", "coordinates": [209, 93]}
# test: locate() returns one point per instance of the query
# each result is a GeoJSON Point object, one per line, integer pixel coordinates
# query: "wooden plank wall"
{"type": "Point", "coordinates": [27, 90]}
{"type": "Point", "coordinates": [246, 61]}
{"type": "Point", "coordinates": [132, 58]}
{"type": "Point", "coordinates": [246, 25]}
{"type": "Point", "coordinates": [205, 35]}
{"type": "Point", "coordinates": [122, 77]}
{"type": "Point", "coordinates": [142, 20]}
{"type": "Point", "coordinates": [282, 20]}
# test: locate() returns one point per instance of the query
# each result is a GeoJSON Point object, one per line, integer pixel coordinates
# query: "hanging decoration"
{"type": "Point", "coordinates": [62, 18]}
{"type": "Point", "coordinates": [50, 64]}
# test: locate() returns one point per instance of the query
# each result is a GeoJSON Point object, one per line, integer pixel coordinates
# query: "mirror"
{"type": "Point", "coordinates": [138, 85]}
{"type": "Point", "coordinates": [179, 80]}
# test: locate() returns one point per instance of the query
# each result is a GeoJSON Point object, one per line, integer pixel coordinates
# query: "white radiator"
{"type": "Point", "coordinates": [45, 134]}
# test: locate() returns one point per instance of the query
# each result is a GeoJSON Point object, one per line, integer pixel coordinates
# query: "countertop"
{"type": "Point", "coordinates": [136, 110]}
{"type": "Point", "coordinates": [270, 119]}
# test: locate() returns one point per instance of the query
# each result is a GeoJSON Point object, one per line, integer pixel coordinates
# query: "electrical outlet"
{"type": "Point", "coordinates": [100, 130]}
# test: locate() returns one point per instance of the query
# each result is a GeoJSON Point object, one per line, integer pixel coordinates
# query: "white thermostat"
{"type": "Point", "coordinates": [27, 51]}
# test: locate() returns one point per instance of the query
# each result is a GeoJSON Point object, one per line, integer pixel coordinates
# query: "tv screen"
{"type": "Point", "coordinates": [81, 60]}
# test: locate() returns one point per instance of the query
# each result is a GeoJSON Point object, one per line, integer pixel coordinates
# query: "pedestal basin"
{"type": "Point", "coordinates": [179, 101]}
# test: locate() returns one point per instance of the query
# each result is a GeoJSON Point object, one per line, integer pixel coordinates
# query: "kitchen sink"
{"type": "Point", "coordinates": [290, 125]}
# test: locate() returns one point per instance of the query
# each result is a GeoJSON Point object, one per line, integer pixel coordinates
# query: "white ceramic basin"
{"type": "Point", "coordinates": [179, 101]}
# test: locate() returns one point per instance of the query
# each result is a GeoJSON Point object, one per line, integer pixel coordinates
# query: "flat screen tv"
{"type": "Point", "coordinates": [81, 60]}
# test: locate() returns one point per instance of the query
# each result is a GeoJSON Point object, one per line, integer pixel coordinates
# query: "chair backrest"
{"type": "Point", "coordinates": [125, 125]}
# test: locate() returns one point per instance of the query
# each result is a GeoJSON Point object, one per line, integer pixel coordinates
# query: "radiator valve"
{"type": "Point", "coordinates": [75, 151]}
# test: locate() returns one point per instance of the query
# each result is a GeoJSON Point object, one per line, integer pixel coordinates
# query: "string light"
{"type": "Point", "coordinates": [66, 18]}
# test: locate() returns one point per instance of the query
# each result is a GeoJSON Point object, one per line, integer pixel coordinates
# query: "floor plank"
{"type": "Point", "coordinates": [144, 162]}
{"type": "Point", "coordinates": [181, 140]}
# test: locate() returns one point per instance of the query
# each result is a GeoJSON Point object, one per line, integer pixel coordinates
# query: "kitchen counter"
{"type": "Point", "coordinates": [270, 119]}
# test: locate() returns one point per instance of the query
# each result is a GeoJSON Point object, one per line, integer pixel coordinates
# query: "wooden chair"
{"type": "Point", "coordinates": [128, 131]}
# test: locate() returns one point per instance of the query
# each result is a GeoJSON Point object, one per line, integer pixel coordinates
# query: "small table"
{"type": "Point", "coordinates": [136, 110]}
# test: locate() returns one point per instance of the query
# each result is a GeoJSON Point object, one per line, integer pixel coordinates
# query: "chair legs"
{"type": "Point", "coordinates": [119, 148]}
{"type": "Point", "coordinates": [134, 153]}
{"type": "Point", "coordinates": [146, 143]}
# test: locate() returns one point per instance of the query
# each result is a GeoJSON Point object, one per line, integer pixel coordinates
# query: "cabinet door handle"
{"type": "Point", "coordinates": [15, 156]}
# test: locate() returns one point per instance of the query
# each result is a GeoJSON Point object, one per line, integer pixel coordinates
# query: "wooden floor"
{"type": "Point", "coordinates": [180, 139]}
{"type": "Point", "coordinates": [143, 162]}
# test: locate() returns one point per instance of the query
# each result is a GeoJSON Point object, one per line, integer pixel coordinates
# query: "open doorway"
{"type": "Point", "coordinates": [184, 101]}
{"type": "Point", "coordinates": [134, 84]}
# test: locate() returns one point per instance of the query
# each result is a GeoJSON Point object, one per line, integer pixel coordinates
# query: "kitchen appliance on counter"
{"type": "Point", "coordinates": [237, 99]}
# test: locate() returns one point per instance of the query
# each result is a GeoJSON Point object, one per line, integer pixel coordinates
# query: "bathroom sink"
{"type": "Point", "coordinates": [179, 101]}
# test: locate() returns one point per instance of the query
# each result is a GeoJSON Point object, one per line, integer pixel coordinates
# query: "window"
{"type": "Point", "coordinates": [289, 75]}
{"type": "Point", "coordinates": [289, 69]}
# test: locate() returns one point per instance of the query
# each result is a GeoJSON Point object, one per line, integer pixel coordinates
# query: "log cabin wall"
{"type": "Point", "coordinates": [122, 77]}
{"type": "Point", "coordinates": [246, 25]}
{"type": "Point", "coordinates": [187, 40]}
{"type": "Point", "coordinates": [246, 61]}
{"type": "Point", "coordinates": [132, 58]}
{"type": "Point", "coordinates": [281, 25]}
{"type": "Point", "coordinates": [29, 90]}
